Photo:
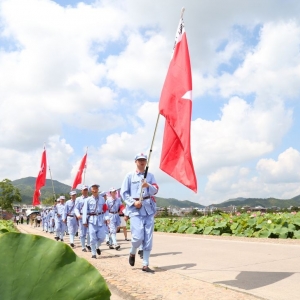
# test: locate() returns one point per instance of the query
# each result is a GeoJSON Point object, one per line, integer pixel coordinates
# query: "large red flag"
{"type": "Point", "coordinates": [40, 180]}
{"type": "Point", "coordinates": [176, 106]}
{"type": "Point", "coordinates": [78, 178]}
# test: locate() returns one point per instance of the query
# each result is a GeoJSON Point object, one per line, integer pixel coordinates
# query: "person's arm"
{"type": "Point", "coordinates": [76, 208]}
{"type": "Point", "coordinates": [85, 212]}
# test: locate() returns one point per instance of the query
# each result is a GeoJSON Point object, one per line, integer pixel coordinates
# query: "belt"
{"type": "Point", "coordinates": [95, 214]}
{"type": "Point", "coordinates": [111, 212]}
{"type": "Point", "coordinates": [137, 199]}
{"type": "Point", "coordinates": [70, 215]}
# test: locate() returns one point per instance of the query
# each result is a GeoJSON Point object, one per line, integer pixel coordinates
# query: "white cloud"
{"type": "Point", "coordinates": [284, 170]}
{"type": "Point", "coordinates": [242, 133]}
{"type": "Point", "coordinates": [68, 67]}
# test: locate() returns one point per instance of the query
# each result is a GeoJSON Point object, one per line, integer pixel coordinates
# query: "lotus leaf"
{"type": "Point", "coordinates": [182, 229]}
{"type": "Point", "coordinates": [297, 234]}
{"type": "Point", "coordinates": [32, 267]}
{"type": "Point", "coordinates": [207, 230]}
{"type": "Point", "coordinates": [191, 230]}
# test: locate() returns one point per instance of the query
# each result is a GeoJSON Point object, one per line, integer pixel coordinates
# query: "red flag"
{"type": "Point", "coordinates": [78, 178]}
{"type": "Point", "coordinates": [176, 106]}
{"type": "Point", "coordinates": [40, 180]}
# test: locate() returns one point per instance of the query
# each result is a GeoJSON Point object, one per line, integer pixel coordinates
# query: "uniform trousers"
{"type": "Point", "coordinates": [97, 236]}
{"type": "Point", "coordinates": [59, 228]}
{"type": "Point", "coordinates": [84, 234]}
{"type": "Point", "coordinates": [142, 234]}
{"type": "Point", "coordinates": [72, 227]}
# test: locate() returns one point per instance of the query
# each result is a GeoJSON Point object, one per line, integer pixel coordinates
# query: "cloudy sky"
{"type": "Point", "coordinates": [88, 74]}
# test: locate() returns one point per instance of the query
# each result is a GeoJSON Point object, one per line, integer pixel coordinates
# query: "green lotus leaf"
{"type": "Point", "coordinates": [251, 222]}
{"type": "Point", "coordinates": [264, 233]}
{"type": "Point", "coordinates": [291, 227]}
{"type": "Point", "coordinates": [234, 226]}
{"type": "Point", "coordinates": [220, 225]}
{"type": "Point", "coordinates": [207, 230]}
{"type": "Point", "coordinates": [215, 232]}
{"type": "Point", "coordinates": [34, 267]}
{"type": "Point", "coordinates": [3, 230]}
{"type": "Point", "coordinates": [296, 221]}
{"type": "Point", "coordinates": [297, 234]}
{"type": "Point", "coordinates": [182, 229]}
{"type": "Point", "coordinates": [192, 230]}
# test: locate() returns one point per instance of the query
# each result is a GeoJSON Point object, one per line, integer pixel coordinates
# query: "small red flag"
{"type": "Point", "coordinates": [40, 180]}
{"type": "Point", "coordinates": [176, 106]}
{"type": "Point", "coordinates": [78, 178]}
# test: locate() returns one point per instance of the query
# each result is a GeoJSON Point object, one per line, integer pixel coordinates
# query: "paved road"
{"type": "Point", "coordinates": [196, 266]}
{"type": "Point", "coordinates": [259, 267]}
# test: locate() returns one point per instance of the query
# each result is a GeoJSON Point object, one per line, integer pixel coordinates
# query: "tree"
{"type": "Point", "coordinates": [8, 195]}
{"type": "Point", "coordinates": [165, 212]}
{"type": "Point", "coordinates": [48, 201]}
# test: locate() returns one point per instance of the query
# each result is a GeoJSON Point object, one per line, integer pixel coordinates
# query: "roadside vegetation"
{"type": "Point", "coordinates": [248, 224]}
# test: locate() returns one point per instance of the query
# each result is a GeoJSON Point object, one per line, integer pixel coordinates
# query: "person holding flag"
{"type": "Point", "coordinates": [69, 217]}
{"type": "Point", "coordinates": [136, 191]}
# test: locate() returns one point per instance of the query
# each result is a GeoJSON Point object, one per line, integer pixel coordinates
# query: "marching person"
{"type": "Point", "coordinates": [113, 206]}
{"type": "Point", "coordinates": [51, 218]}
{"type": "Point", "coordinates": [84, 234]}
{"type": "Point", "coordinates": [94, 213]}
{"type": "Point", "coordinates": [69, 217]}
{"type": "Point", "coordinates": [140, 211]}
{"type": "Point", "coordinates": [59, 224]}
{"type": "Point", "coordinates": [123, 222]}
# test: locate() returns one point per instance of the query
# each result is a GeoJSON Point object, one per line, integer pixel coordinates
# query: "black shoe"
{"type": "Point", "coordinates": [56, 237]}
{"type": "Point", "coordinates": [98, 251]}
{"type": "Point", "coordinates": [72, 245]}
{"type": "Point", "coordinates": [107, 243]}
{"type": "Point", "coordinates": [61, 240]}
{"type": "Point", "coordinates": [76, 234]}
{"type": "Point", "coordinates": [118, 231]}
{"type": "Point", "coordinates": [127, 240]}
{"type": "Point", "coordinates": [118, 247]}
{"type": "Point", "coordinates": [147, 269]}
{"type": "Point", "coordinates": [88, 247]}
{"type": "Point", "coordinates": [111, 247]}
{"type": "Point", "coordinates": [84, 250]}
{"type": "Point", "coordinates": [131, 259]}
{"type": "Point", "coordinates": [94, 256]}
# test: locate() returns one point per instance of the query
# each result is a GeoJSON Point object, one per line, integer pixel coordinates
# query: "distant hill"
{"type": "Point", "coordinates": [27, 186]}
{"type": "Point", "coordinates": [235, 199]}
{"type": "Point", "coordinates": [165, 202]}
{"type": "Point", "coordinates": [268, 202]}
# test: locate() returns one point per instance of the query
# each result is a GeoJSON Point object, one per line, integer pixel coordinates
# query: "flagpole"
{"type": "Point", "coordinates": [149, 156]}
{"type": "Point", "coordinates": [52, 184]}
{"type": "Point", "coordinates": [85, 168]}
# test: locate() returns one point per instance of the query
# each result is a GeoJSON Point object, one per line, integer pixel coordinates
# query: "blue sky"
{"type": "Point", "coordinates": [88, 74]}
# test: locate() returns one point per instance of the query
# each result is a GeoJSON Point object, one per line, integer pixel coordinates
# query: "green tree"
{"type": "Point", "coordinates": [165, 212]}
{"type": "Point", "coordinates": [8, 195]}
{"type": "Point", "coordinates": [48, 201]}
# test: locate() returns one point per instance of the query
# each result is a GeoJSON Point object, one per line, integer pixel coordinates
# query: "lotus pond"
{"type": "Point", "coordinates": [250, 224]}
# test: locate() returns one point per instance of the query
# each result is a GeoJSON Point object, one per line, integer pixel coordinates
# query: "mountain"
{"type": "Point", "coordinates": [27, 186]}
{"type": "Point", "coordinates": [268, 202]}
{"type": "Point", "coordinates": [165, 202]}
{"type": "Point", "coordinates": [235, 199]}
